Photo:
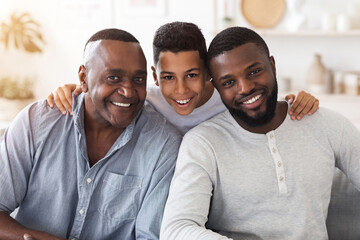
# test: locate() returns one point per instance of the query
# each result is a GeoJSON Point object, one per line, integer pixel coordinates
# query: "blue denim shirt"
{"type": "Point", "coordinates": [45, 172]}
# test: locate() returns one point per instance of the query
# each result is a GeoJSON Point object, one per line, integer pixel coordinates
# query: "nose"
{"type": "Point", "coordinates": [244, 86]}
{"type": "Point", "coordinates": [181, 87]}
{"type": "Point", "coordinates": [127, 89]}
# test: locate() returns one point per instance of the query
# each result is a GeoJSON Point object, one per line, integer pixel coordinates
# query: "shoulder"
{"type": "Point", "coordinates": [37, 111]}
{"type": "Point", "coordinates": [153, 93]}
{"type": "Point", "coordinates": [212, 129]}
{"type": "Point", "coordinates": [326, 118]}
{"type": "Point", "coordinates": [157, 123]}
{"type": "Point", "coordinates": [36, 121]}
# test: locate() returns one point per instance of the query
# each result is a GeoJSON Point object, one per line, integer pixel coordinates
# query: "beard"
{"type": "Point", "coordinates": [261, 118]}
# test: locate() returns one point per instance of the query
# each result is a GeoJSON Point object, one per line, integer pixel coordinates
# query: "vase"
{"type": "Point", "coordinates": [316, 76]}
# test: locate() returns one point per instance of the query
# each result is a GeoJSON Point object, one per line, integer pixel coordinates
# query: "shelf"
{"type": "Point", "coordinates": [309, 33]}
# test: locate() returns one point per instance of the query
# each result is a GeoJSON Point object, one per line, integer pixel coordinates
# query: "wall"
{"type": "Point", "coordinates": [67, 24]}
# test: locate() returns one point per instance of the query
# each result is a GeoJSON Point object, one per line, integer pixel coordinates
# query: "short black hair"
{"type": "Point", "coordinates": [179, 36]}
{"type": "Point", "coordinates": [233, 37]}
{"type": "Point", "coordinates": [112, 34]}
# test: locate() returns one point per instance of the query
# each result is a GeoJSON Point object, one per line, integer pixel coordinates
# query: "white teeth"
{"type": "Point", "coordinates": [121, 104]}
{"type": "Point", "coordinates": [252, 100]}
{"type": "Point", "coordinates": [183, 101]}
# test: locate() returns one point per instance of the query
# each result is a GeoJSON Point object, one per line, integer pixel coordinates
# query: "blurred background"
{"type": "Point", "coordinates": [316, 43]}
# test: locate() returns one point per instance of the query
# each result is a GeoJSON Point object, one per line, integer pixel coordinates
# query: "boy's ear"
{"type": "Point", "coordinates": [82, 78]}
{"type": "Point", "coordinates": [155, 76]}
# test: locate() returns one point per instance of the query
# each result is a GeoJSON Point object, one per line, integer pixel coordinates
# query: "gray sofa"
{"type": "Point", "coordinates": [343, 222]}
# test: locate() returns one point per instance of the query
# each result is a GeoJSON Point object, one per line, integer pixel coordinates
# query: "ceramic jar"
{"type": "Point", "coordinates": [316, 75]}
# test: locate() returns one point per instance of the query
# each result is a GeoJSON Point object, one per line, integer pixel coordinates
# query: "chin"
{"type": "Point", "coordinates": [260, 118]}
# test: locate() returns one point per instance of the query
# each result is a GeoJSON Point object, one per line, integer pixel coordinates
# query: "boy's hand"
{"type": "Point", "coordinates": [63, 98]}
{"type": "Point", "coordinates": [28, 237]}
{"type": "Point", "coordinates": [304, 103]}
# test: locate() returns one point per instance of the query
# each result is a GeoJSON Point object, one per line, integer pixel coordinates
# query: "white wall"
{"type": "Point", "coordinates": [67, 24]}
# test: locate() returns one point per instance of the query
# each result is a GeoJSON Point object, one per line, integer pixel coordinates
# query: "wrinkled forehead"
{"type": "Point", "coordinates": [114, 50]}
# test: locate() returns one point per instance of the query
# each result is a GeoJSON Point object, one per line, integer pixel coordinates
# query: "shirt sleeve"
{"type": "Point", "coordinates": [150, 215]}
{"type": "Point", "coordinates": [16, 153]}
{"type": "Point", "coordinates": [347, 150]}
{"type": "Point", "coordinates": [187, 207]}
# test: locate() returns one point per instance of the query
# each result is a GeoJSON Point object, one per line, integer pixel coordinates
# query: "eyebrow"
{"type": "Point", "coordinates": [247, 68]}
{"type": "Point", "coordinates": [187, 71]}
{"type": "Point", "coordinates": [121, 71]}
{"type": "Point", "coordinates": [225, 77]}
{"type": "Point", "coordinates": [192, 69]}
{"type": "Point", "coordinates": [140, 72]}
{"type": "Point", "coordinates": [252, 65]}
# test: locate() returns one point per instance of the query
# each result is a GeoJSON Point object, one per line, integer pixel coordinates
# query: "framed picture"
{"type": "Point", "coordinates": [144, 7]}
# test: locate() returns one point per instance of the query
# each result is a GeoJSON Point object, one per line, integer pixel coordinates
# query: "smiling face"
{"type": "Point", "coordinates": [181, 77]}
{"type": "Point", "coordinates": [245, 79]}
{"type": "Point", "coordinates": [114, 77]}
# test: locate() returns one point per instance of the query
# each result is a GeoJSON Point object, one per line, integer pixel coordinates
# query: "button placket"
{"type": "Point", "coordinates": [279, 166]}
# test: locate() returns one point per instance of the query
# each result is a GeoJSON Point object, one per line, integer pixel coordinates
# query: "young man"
{"type": "Point", "coordinates": [184, 94]}
{"type": "Point", "coordinates": [251, 172]}
{"type": "Point", "coordinates": [103, 173]}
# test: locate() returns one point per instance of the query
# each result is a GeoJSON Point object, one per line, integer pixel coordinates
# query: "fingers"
{"type": "Point", "coordinates": [49, 100]}
{"type": "Point", "coordinates": [28, 237]}
{"type": "Point", "coordinates": [304, 104]}
{"type": "Point", "coordinates": [77, 90]}
{"type": "Point", "coordinates": [61, 101]}
{"type": "Point", "coordinates": [290, 98]}
{"type": "Point", "coordinates": [314, 107]}
{"type": "Point", "coordinates": [295, 108]}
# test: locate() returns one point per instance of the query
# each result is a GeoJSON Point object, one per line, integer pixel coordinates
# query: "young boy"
{"type": "Point", "coordinates": [183, 92]}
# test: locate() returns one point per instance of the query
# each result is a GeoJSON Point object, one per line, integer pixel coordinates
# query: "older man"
{"type": "Point", "coordinates": [102, 174]}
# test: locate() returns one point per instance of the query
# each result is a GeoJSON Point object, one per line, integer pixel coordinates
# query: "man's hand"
{"type": "Point", "coordinates": [304, 103]}
{"type": "Point", "coordinates": [63, 98]}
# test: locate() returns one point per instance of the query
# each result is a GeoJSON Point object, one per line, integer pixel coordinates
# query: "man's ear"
{"type": "Point", "coordinates": [155, 76]}
{"type": "Point", "coordinates": [83, 78]}
{"type": "Point", "coordinates": [272, 62]}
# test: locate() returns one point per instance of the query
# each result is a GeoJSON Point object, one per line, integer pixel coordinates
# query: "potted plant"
{"type": "Point", "coordinates": [19, 33]}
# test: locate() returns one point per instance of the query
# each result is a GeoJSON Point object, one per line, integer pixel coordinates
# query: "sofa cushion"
{"type": "Point", "coordinates": [343, 221]}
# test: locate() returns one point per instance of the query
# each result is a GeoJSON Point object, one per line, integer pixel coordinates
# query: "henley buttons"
{"type": "Point", "coordinates": [274, 150]}
{"type": "Point", "coordinates": [279, 164]}
{"type": "Point", "coordinates": [88, 180]}
{"type": "Point", "coordinates": [81, 212]}
{"type": "Point", "coordinates": [281, 178]}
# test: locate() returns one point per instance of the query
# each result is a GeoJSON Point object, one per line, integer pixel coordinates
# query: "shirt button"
{"type": "Point", "coordinates": [274, 150]}
{"type": "Point", "coordinates": [81, 212]}
{"type": "Point", "coordinates": [281, 178]}
{"type": "Point", "coordinates": [279, 164]}
{"type": "Point", "coordinates": [88, 180]}
{"type": "Point", "coordinates": [271, 135]}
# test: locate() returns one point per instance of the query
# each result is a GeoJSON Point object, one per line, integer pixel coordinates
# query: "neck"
{"type": "Point", "coordinates": [100, 136]}
{"type": "Point", "coordinates": [276, 121]}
